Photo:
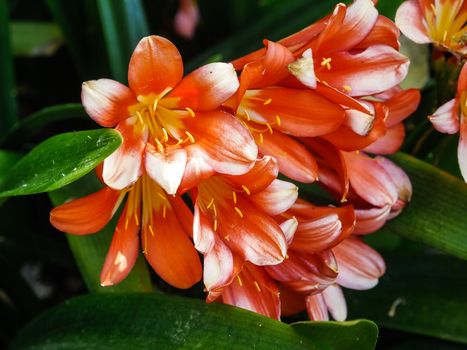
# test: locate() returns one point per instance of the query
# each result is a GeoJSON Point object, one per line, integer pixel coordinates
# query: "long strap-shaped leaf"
{"type": "Point", "coordinates": [437, 214]}
{"type": "Point", "coordinates": [156, 321]}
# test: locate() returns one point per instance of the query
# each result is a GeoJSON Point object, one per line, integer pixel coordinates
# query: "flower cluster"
{"type": "Point", "coordinates": [311, 106]}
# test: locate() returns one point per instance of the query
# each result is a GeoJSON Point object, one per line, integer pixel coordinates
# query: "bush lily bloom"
{"type": "Point", "coordinates": [441, 22]}
{"type": "Point", "coordinates": [451, 117]}
{"type": "Point", "coordinates": [164, 223]}
{"type": "Point", "coordinates": [167, 121]}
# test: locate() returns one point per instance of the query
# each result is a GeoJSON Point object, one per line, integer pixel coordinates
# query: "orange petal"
{"type": "Point", "coordinates": [301, 112]}
{"type": "Point", "coordinates": [402, 105]}
{"type": "Point", "coordinates": [155, 66]}
{"type": "Point", "coordinates": [165, 168]}
{"type": "Point", "coordinates": [360, 266]}
{"type": "Point", "coordinates": [410, 20]}
{"type": "Point", "coordinates": [371, 71]}
{"type": "Point", "coordinates": [446, 118]}
{"type": "Point", "coordinates": [224, 143]}
{"type": "Point", "coordinates": [218, 267]}
{"type": "Point", "coordinates": [371, 220]}
{"type": "Point", "coordinates": [291, 302]}
{"type": "Point", "coordinates": [123, 251]}
{"type": "Point", "coordinates": [340, 97]}
{"type": "Point", "coordinates": [253, 235]}
{"type": "Point", "coordinates": [87, 214]}
{"type": "Point", "coordinates": [106, 101]}
{"type": "Point", "coordinates": [390, 143]}
{"type": "Point", "coordinates": [196, 170]}
{"type": "Point", "coordinates": [384, 32]}
{"type": "Point", "coordinates": [254, 290]}
{"type": "Point", "coordinates": [263, 173]}
{"type": "Point", "coordinates": [334, 26]}
{"type": "Point", "coordinates": [123, 167]}
{"type": "Point", "coordinates": [316, 307]}
{"type": "Point", "coordinates": [278, 197]}
{"type": "Point", "coordinates": [207, 87]}
{"type": "Point", "coordinates": [293, 158]}
{"type": "Point", "coordinates": [183, 214]}
{"type": "Point", "coordinates": [303, 69]}
{"type": "Point", "coordinates": [170, 252]}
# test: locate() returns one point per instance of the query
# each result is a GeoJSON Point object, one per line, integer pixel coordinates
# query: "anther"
{"type": "Point", "coordinates": [247, 191]}
{"type": "Point", "coordinates": [268, 101]}
{"type": "Point", "coordinates": [210, 203]}
{"type": "Point", "coordinates": [326, 62]}
{"type": "Point", "coordinates": [227, 238]}
{"type": "Point", "coordinates": [261, 139]}
{"type": "Point", "coordinates": [160, 147]}
{"type": "Point", "coordinates": [347, 88]}
{"type": "Point", "coordinates": [214, 209]}
{"type": "Point", "coordinates": [154, 106]}
{"type": "Point", "coordinates": [166, 135]}
{"type": "Point", "coordinates": [190, 136]}
{"type": "Point", "coordinates": [257, 286]}
{"type": "Point", "coordinates": [136, 219]}
{"type": "Point", "coordinates": [234, 197]}
{"type": "Point", "coordinates": [215, 225]}
{"type": "Point", "coordinates": [239, 281]}
{"type": "Point", "coordinates": [190, 111]}
{"type": "Point", "coordinates": [247, 115]}
{"type": "Point", "coordinates": [269, 128]}
{"type": "Point", "coordinates": [239, 212]}
{"type": "Point", "coordinates": [278, 120]}
{"type": "Point", "coordinates": [150, 229]}
{"type": "Point", "coordinates": [126, 223]}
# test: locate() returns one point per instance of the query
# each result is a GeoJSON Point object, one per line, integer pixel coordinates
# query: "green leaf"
{"type": "Point", "coordinates": [124, 25]}
{"type": "Point", "coordinates": [90, 250]}
{"type": "Point", "coordinates": [423, 292]}
{"type": "Point", "coordinates": [436, 215]}
{"type": "Point", "coordinates": [8, 114]}
{"type": "Point", "coordinates": [59, 160]}
{"type": "Point", "coordinates": [35, 38]}
{"type": "Point", "coordinates": [157, 321]}
{"type": "Point", "coordinates": [36, 122]}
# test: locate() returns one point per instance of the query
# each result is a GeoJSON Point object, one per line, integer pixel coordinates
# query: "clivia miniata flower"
{"type": "Point", "coordinates": [441, 22]}
{"type": "Point", "coordinates": [168, 122]}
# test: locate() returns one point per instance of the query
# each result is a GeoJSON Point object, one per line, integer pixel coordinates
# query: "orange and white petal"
{"type": "Point", "coordinates": [166, 168]}
{"type": "Point", "coordinates": [303, 69]}
{"type": "Point", "coordinates": [289, 227]}
{"type": "Point", "coordinates": [263, 173]}
{"type": "Point", "coordinates": [106, 101]}
{"type": "Point", "coordinates": [371, 71]}
{"type": "Point", "coordinates": [203, 233]}
{"type": "Point", "coordinates": [218, 269]}
{"type": "Point", "coordinates": [316, 307]}
{"type": "Point", "coordinates": [294, 160]}
{"type": "Point", "coordinates": [370, 180]}
{"type": "Point", "coordinates": [301, 112]}
{"type": "Point", "coordinates": [401, 105]}
{"type": "Point", "coordinates": [389, 143]}
{"type": "Point", "coordinates": [339, 96]}
{"type": "Point", "coordinates": [169, 250]}
{"type": "Point", "coordinates": [335, 302]}
{"type": "Point", "coordinates": [196, 170]}
{"type": "Point", "coordinates": [155, 66]}
{"type": "Point", "coordinates": [359, 122]}
{"type": "Point", "coordinates": [206, 88]}
{"type": "Point", "coordinates": [371, 220]}
{"type": "Point", "coordinates": [254, 290]}
{"type": "Point", "coordinates": [187, 18]}
{"type": "Point", "coordinates": [123, 250]}
{"type": "Point", "coordinates": [360, 266]}
{"type": "Point", "coordinates": [225, 144]}
{"type": "Point", "coordinates": [183, 214]}
{"type": "Point", "coordinates": [446, 118]}
{"type": "Point", "coordinates": [384, 32]}
{"type": "Point", "coordinates": [399, 178]}
{"type": "Point", "coordinates": [123, 167]}
{"type": "Point", "coordinates": [278, 197]}
{"type": "Point", "coordinates": [87, 214]}
{"type": "Point", "coordinates": [253, 235]}
{"type": "Point", "coordinates": [462, 147]}
{"type": "Point", "coordinates": [410, 20]}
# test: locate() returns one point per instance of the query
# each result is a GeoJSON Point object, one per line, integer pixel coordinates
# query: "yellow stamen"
{"type": "Point", "coordinates": [261, 139]}
{"type": "Point", "coordinates": [239, 212]}
{"type": "Point", "coordinates": [215, 225]}
{"type": "Point", "coordinates": [214, 209]}
{"type": "Point", "coordinates": [445, 35]}
{"type": "Point", "coordinates": [347, 88]}
{"type": "Point", "coordinates": [190, 136]}
{"type": "Point", "coordinates": [126, 223]}
{"type": "Point", "coordinates": [190, 111]}
{"type": "Point", "coordinates": [234, 197]}
{"type": "Point", "coordinates": [166, 135]}
{"type": "Point", "coordinates": [154, 106]}
{"type": "Point", "coordinates": [247, 191]}
{"type": "Point", "coordinates": [268, 101]}
{"type": "Point", "coordinates": [136, 219]}
{"type": "Point", "coordinates": [227, 238]}
{"type": "Point", "coordinates": [278, 120]}
{"type": "Point", "coordinates": [160, 147]}
{"type": "Point", "coordinates": [150, 229]}
{"type": "Point", "coordinates": [326, 62]}
{"type": "Point", "coordinates": [287, 256]}
{"type": "Point", "coordinates": [210, 203]}
{"type": "Point", "coordinates": [269, 128]}
{"type": "Point", "coordinates": [247, 115]}
{"type": "Point", "coordinates": [257, 286]}
{"type": "Point", "coordinates": [239, 281]}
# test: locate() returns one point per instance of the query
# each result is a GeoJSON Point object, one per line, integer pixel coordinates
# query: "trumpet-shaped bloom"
{"type": "Point", "coordinates": [165, 120]}
{"type": "Point", "coordinates": [451, 117]}
{"type": "Point", "coordinates": [164, 223]}
{"type": "Point", "coordinates": [441, 22]}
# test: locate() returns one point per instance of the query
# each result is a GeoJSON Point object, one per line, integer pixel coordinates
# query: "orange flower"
{"type": "Point", "coordinates": [441, 22]}
{"type": "Point", "coordinates": [451, 117]}
{"type": "Point", "coordinates": [166, 121]}
{"type": "Point", "coordinates": [165, 223]}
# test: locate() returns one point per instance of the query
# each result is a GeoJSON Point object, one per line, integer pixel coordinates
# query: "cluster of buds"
{"type": "Point", "coordinates": [312, 106]}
